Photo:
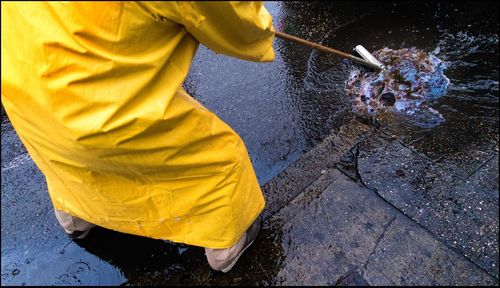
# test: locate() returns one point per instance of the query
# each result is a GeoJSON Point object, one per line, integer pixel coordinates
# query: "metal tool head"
{"type": "Point", "coordinates": [368, 56]}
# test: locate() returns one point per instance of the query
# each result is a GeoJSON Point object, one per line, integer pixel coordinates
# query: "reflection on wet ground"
{"type": "Point", "coordinates": [444, 179]}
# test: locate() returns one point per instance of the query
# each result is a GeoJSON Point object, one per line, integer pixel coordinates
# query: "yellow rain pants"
{"type": "Point", "coordinates": [93, 90]}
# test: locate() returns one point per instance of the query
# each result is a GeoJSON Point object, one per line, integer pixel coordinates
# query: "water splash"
{"type": "Point", "coordinates": [455, 47]}
{"type": "Point", "coordinates": [412, 80]}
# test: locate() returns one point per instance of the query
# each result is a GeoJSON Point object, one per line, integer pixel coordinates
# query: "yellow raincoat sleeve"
{"type": "Point", "coordinates": [238, 29]}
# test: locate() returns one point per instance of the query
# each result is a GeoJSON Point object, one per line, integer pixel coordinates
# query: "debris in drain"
{"type": "Point", "coordinates": [411, 80]}
{"type": "Point", "coordinates": [400, 173]}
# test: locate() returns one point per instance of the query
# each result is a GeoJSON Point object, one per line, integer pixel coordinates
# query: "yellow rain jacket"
{"type": "Point", "coordinates": [93, 90]}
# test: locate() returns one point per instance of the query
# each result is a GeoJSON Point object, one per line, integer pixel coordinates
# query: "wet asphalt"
{"type": "Point", "coordinates": [350, 201]}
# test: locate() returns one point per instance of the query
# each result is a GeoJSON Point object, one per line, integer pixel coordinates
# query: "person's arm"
{"type": "Point", "coordinates": [239, 29]}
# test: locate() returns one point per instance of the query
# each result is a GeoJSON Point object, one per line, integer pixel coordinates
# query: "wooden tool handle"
{"type": "Point", "coordinates": [325, 49]}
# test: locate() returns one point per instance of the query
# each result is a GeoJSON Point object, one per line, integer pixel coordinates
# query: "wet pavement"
{"type": "Point", "coordinates": [350, 201]}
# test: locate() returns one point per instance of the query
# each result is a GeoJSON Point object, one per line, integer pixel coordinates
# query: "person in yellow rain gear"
{"type": "Point", "coordinates": [93, 90]}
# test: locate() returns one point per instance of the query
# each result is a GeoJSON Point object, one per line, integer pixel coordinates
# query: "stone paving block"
{"type": "Point", "coordinates": [479, 200]}
{"type": "Point", "coordinates": [330, 233]}
{"type": "Point", "coordinates": [437, 196]}
{"type": "Point", "coordinates": [445, 141]}
{"type": "Point", "coordinates": [407, 255]}
{"type": "Point", "coordinates": [289, 183]}
{"type": "Point", "coordinates": [346, 228]}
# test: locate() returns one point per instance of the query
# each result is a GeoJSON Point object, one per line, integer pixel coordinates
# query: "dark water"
{"type": "Point", "coordinates": [282, 110]}
{"type": "Point", "coordinates": [458, 33]}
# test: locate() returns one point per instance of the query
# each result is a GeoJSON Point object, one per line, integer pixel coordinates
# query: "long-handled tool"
{"type": "Point", "coordinates": [368, 60]}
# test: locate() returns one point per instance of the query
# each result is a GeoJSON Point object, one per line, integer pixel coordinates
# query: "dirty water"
{"type": "Point", "coordinates": [461, 35]}
{"type": "Point", "coordinates": [281, 110]}
{"type": "Point", "coordinates": [410, 80]}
